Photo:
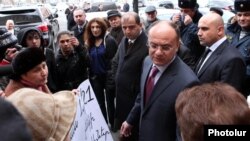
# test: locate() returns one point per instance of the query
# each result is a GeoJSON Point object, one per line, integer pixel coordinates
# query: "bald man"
{"type": "Point", "coordinates": [10, 26]}
{"type": "Point", "coordinates": [154, 109]}
{"type": "Point", "coordinates": [223, 62]}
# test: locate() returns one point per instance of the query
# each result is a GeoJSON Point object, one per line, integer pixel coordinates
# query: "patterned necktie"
{"type": "Point", "coordinates": [203, 57]}
{"type": "Point", "coordinates": [150, 83]}
{"type": "Point", "coordinates": [80, 29]}
{"type": "Point", "coordinates": [130, 44]}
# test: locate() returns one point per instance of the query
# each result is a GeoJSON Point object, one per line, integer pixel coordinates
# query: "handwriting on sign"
{"type": "Point", "coordinates": [73, 129]}
{"type": "Point", "coordinates": [85, 97]}
{"type": "Point", "coordinates": [89, 124]}
{"type": "Point", "coordinates": [100, 135]}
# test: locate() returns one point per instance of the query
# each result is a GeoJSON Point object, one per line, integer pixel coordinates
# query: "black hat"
{"type": "Point", "coordinates": [112, 13]}
{"type": "Point", "coordinates": [187, 3]}
{"type": "Point", "coordinates": [217, 10]}
{"type": "Point", "coordinates": [150, 8]}
{"type": "Point", "coordinates": [7, 39]}
{"type": "Point", "coordinates": [242, 5]}
{"type": "Point", "coordinates": [26, 60]}
{"type": "Point", "coordinates": [13, 126]}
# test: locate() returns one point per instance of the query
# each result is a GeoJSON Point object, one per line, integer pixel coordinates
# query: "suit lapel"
{"type": "Point", "coordinates": [213, 57]}
{"type": "Point", "coordinates": [138, 44]}
{"type": "Point", "coordinates": [163, 83]}
{"type": "Point", "coordinates": [147, 68]}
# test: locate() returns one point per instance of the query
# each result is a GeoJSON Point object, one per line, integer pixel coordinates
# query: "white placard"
{"type": "Point", "coordinates": [89, 124]}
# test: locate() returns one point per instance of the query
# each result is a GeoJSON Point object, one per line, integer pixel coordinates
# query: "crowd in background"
{"type": "Point", "coordinates": [151, 73]}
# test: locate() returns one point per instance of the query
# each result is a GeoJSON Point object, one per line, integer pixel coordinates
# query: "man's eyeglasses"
{"type": "Point", "coordinates": [163, 47]}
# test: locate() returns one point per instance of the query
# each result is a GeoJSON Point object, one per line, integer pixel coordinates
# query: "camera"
{"type": "Point", "coordinates": [181, 20]}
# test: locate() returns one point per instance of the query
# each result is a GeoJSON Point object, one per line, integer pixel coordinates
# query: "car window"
{"type": "Point", "coordinates": [20, 16]}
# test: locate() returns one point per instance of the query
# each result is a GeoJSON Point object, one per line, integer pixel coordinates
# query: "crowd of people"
{"type": "Point", "coordinates": [161, 80]}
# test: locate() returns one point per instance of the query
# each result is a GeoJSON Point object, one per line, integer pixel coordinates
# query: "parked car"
{"type": "Point", "coordinates": [33, 16]}
{"type": "Point", "coordinates": [101, 14]}
{"type": "Point", "coordinates": [166, 4]}
{"type": "Point", "coordinates": [223, 4]}
{"type": "Point", "coordinates": [94, 12]}
{"type": "Point", "coordinates": [162, 13]}
{"type": "Point", "coordinates": [106, 6]}
{"type": "Point", "coordinates": [51, 7]}
{"type": "Point", "coordinates": [62, 6]}
{"type": "Point", "coordinates": [226, 14]}
{"type": "Point", "coordinates": [91, 15]}
{"type": "Point", "coordinates": [141, 3]}
{"type": "Point", "coordinates": [166, 14]}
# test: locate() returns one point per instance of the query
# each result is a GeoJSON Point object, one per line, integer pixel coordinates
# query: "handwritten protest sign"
{"type": "Point", "coordinates": [89, 124]}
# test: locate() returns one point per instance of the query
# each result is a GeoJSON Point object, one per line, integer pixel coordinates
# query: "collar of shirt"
{"type": "Point", "coordinates": [217, 44]}
{"type": "Point", "coordinates": [133, 40]}
{"type": "Point", "coordinates": [213, 48]}
{"type": "Point", "coordinates": [85, 22]}
{"type": "Point", "coordinates": [161, 69]}
{"type": "Point", "coordinates": [79, 27]}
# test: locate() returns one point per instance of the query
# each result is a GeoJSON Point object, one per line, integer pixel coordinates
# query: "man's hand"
{"type": "Point", "coordinates": [10, 53]}
{"type": "Point", "coordinates": [74, 41]}
{"type": "Point", "coordinates": [125, 129]}
{"type": "Point", "coordinates": [187, 20]}
{"type": "Point", "coordinates": [176, 17]}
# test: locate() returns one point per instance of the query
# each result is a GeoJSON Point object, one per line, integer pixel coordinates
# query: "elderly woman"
{"type": "Point", "coordinates": [102, 48]}
{"type": "Point", "coordinates": [30, 70]}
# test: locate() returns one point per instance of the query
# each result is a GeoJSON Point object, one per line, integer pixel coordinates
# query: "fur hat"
{"type": "Point", "coordinates": [49, 116]}
{"type": "Point", "coordinates": [7, 40]}
{"type": "Point", "coordinates": [12, 125]}
{"type": "Point", "coordinates": [187, 3]}
{"type": "Point", "coordinates": [26, 60]}
{"type": "Point", "coordinates": [112, 13]}
{"type": "Point", "coordinates": [242, 5]}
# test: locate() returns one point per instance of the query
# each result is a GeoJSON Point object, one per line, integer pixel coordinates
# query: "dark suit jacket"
{"type": "Point", "coordinates": [186, 56]}
{"type": "Point", "coordinates": [79, 35]}
{"type": "Point", "coordinates": [128, 74]}
{"type": "Point", "coordinates": [157, 118]}
{"type": "Point", "coordinates": [226, 65]}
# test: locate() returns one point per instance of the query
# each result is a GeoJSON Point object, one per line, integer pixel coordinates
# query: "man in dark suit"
{"type": "Point", "coordinates": [155, 111]}
{"type": "Point", "coordinates": [129, 58]}
{"type": "Point", "coordinates": [81, 23]}
{"type": "Point", "coordinates": [224, 62]}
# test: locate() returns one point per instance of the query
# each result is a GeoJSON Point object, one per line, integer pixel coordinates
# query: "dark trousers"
{"type": "Point", "coordinates": [110, 95]}
{"type": "Point", "coordinates": [98, 85]}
